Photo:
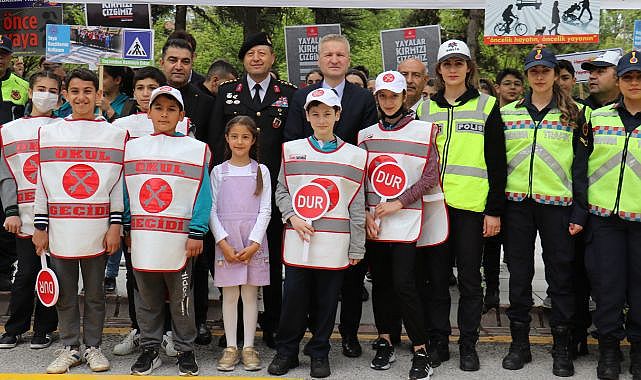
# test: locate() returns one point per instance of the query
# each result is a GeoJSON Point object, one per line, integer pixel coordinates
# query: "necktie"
{"type": "Point", "coordinates": [335, 92]}
{"type": "Point", "coordinates": [256, 98]}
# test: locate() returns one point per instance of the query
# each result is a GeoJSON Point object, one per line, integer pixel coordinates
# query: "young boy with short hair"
{"type": "Point", "coordinates": [78, 215]}
{"type": "Point", "coordinates": [168, 196]}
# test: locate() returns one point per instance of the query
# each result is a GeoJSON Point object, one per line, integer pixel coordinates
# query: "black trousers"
{"type": "Point", "coordinates": [273, 293]}
{"type": "Point", "coordinates": [613, 262]}
{"type": "Point", "coordinates": [7, 248]}
{"type": "Point", "coordinates": [310, 299]}
{"type": "Point", "coordinates": [582, 316]}
{"type": "Point", "coordinates": [433, 271]}
{"type": "Point", "coordinates": [492, 261]}
{"type": "Point", "coordinates": [21, 305]}
{"type": "Point", "coordinates": [522, 220]}
{"type": "Point", "coordinates": [352, 302]}
{"type": "Point", "coordinates": [394, 288]}
{"type": "Point", "coordinates": [203, 267]}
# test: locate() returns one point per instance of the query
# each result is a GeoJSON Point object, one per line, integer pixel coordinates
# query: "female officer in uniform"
{"type": "Point", "coordinates": [540, 131]}
{"type": "Point", "coordinates": [613, 254]}
{"type": "Point", "coordinates": [472, 151]}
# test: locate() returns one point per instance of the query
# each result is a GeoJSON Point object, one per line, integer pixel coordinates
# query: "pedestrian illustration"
{"type": "Point", "coordinates": [585, 4]}
{"type": "Point", "coordinates": [556, 19]}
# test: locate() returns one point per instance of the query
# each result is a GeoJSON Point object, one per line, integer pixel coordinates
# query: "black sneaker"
{"type": "Point", "coordinates": [187, 365]}
{"type": "Point", "coordinates": [9, 341]}
{"type": "Point", "coordinates": [320, 368]}
{"type": "Point", "coordinates": [281, 364]}
{"type": "Point", "coordinates": [110, 284]}
{"type": "Point", "coordinates": [384, 355]}
{"type": "Point", "coordinates": [146, 362]}
{"type": "Point", "coordinates": [40, 341]}
{"type": "Point", "coordinates": [420, 366]}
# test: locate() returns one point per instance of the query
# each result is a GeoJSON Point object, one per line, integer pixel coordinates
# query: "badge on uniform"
{"type": "Point", "coordinates": [277, 123]}
{"type": "Point", "coordinates": [282, 102]}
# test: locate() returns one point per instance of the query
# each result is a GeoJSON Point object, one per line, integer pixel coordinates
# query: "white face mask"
{"type": "Point", "coordinates": [44, 101]}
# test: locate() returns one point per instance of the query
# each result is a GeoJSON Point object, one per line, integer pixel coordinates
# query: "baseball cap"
{"type": "Point", "coordinates": [6, 44]}
{"type": "Point", "coordinates": [390, 80]}
{"type": "Point", "coordinates": [323, 95]}
{"type": "Point", "coordinates": [543, 57]}
{"type": "Point", "coordinates": [453, 48]}
{"type": "Point", "coordinates": [609, 58]}
{"type": "Point", "coordinates": [167, 90]}
{"type": "Point", "coordinates": [629, 62]}
{"type": "Point", "coordinates": [260, 38]}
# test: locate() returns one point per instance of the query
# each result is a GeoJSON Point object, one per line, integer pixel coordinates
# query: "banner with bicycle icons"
{"type": "Point", "coordinates": [541, 21]}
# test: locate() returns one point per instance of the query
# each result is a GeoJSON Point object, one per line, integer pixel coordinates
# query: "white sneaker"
{"type": "Point", "coordinates": [168, 344]}
{"type": "Point", "coordinates": [66, 358]}
{"type": "Point", "coordinates": [96, 359]}
{"type": "Point", "coordinates": [128, 344]}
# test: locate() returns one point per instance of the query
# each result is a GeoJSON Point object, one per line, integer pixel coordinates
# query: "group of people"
{"type": "Point", "coordinates": [194, 178]}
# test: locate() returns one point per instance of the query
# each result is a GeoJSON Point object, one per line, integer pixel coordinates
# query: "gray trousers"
{"type": "Point", "coordinates": [153, 289]}
{"type": "Point", "coordinates": [93, 274]}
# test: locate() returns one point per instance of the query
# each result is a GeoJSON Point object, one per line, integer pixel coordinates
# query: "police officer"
{"type": "Point", "coordinates": [603, 79]}
{"type": "Point", "coordinates": [613, 254]}
{"type": "Point", "coordinates": [266, 100]}
{"type": "Point", "coordinates": [540, 131]}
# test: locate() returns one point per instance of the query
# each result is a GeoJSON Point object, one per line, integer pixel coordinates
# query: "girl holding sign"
{"type": "Point", "coordinates": [18, 172]}
{"type": "Point", "coordinates": [401, 169]}
{"type": "Point", "coordinates": [321, 180]}
{"type": "Point", "coordinates": [240, 214]}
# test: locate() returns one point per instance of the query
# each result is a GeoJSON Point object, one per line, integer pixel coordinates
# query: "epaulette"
{"type": "Point", "coordinates": [229, 81]}
{"type": "Point", "coordinates": [287, 83]}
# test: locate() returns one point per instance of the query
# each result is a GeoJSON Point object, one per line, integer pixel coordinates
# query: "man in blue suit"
{"type": "Point", "coordinates": [358, 111]}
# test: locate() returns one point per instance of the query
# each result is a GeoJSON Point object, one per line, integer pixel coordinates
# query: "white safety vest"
{"type": "Point", "coordinates": [139, 125]}
{"type": "Point", "coordinates": [345, 168]}
{"type": "Point", "coordinates": [20, 150]}
{"type": "Point", "coordinates": [409, 147]}
{"type": "Point", "coordinates": [163, 175]}
{"type": "Point", "coordinates": [80, 164]}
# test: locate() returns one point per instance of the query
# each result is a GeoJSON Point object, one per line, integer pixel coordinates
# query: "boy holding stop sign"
{"type": "Point", "coordinates": [316, 253]}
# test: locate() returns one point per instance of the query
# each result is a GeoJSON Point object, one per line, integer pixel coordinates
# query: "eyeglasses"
{"type": "Point", "coordinates": [516, 83]}
{"type": "Point", "coordinates": [313, 81]}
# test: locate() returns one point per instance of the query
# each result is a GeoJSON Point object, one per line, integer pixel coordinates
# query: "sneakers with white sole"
{"type": "Point", "coordinates": [96, 360]}
{"type": "Point", "coordinates": [65, 359]}
{"type": "Point", "coordinates": [129, 344]}
{"type": "Point", "coordinates": [168, 344]}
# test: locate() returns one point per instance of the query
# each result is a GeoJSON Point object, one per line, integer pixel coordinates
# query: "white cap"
{"type": "Point", "coordinates": [390, 80]}
{"type": "Point", "coordinates": [453, 48]}
{"type": "Point", "coordinates": [167, 90]}
{"type": "Point", "coordinates": [609, 58]}
{"type": "Point", "coordinates": [325, 96]}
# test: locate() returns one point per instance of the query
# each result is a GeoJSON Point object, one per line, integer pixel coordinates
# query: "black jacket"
{"type": "Point", "coordinates": [358, 112]}
{"type": "Point", "coordinates": [198, 108]}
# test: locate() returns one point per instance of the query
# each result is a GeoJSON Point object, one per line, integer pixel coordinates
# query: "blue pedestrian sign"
{"type": "Point", "coordinates": [636, 38]}
{"type": "Point", "coordinates": [138, 44]}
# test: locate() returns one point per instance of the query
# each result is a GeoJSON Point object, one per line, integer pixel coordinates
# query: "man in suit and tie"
{"type": "Point", "coordinates": [266, 99]}
{"type": "Point", "coordinates": [358, 111]}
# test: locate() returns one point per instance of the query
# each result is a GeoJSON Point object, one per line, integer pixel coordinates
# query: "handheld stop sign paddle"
{"type": "Point", "coordinates": [47, 286]}
{"type": "Point", "coordinates": [310, 203]}
{"type": "Point", "coordinates": [388, 181]}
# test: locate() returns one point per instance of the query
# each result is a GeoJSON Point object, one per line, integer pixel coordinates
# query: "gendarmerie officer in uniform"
{"type": "Point", "coordinates": [266, 99]}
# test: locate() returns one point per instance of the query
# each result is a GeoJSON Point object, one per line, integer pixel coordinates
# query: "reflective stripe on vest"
{"type": "Point", "coordinates": [82, 164]}
{"type": "Point", "coordinates": [163, 175]}
{"type": "Point", "coordinates": [408, 146]}
{"type": "Point", "coordinates": [539, 156]}
{"type": "Point", "coordinates": [460, 144]}
{"type": "Point", "coordinates": [614, 185]}
{"type": "Point", "coordinates": [345, 168]}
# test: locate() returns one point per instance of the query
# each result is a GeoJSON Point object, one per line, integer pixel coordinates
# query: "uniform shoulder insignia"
{"type": "Point", "coordinates": [287, 83]}
{"type": "Point", "coordinates": [228, 81]}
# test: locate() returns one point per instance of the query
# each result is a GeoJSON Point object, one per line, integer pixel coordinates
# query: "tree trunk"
{"type": "Point", "coordinates": [473, 28]}
{"type": "Point", "coordinates": [181, 17]}
{"type": "Point", "coordinates": [250, 22]}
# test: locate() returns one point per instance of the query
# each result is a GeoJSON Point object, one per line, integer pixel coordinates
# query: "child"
{"type": "Point", "coordinates": [239, 217]}
{"type": "Point", "coordinates": [78, 214]}
{"type": "Point", "coordinates": [138, 124]}
{"type": "Point", "coordinates": [336, 240]}
{"type": "Point", "coordinates": [169, 206]}
{"type": "Point", "coordinates": [18, 174]}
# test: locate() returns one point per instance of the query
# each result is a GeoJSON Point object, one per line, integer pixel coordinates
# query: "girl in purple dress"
{"type": "Point", "coordinates": [240, 213]}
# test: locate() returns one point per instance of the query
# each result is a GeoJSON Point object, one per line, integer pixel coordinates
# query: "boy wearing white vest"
{"type": "Point", "coordinates": [168, 200]}
{"type": "Point", "coordinates": [78, 215]}
{"type": "Point", "coordinates": [336, 240]}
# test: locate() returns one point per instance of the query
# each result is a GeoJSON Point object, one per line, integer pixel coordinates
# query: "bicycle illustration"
{"type": "Point", "coordinates": [500, 29]}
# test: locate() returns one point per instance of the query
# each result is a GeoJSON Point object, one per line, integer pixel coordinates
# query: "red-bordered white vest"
{"type": "Point", "coordinates": [20, 148]}
{"type": "Point", "coordinates": [341, 173]}
{"type": "Point", "coordinates": [163, 175]}
{"type": "Point", "coordinates": [139, 125]}
{"type": "Point", "coordinates": [80, 167]}
{"type": "Point", "coordinates": [408, 145]}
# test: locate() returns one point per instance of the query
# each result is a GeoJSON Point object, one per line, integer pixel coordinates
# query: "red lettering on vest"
{"type": "Point", "coordinates": [78, 211]}
{"type": "Point", "coordinates": [26, 196]}
{"type": "Point", "coordinates": [88, 154]}
{"type": "Point", "coordinates": [159, 223]}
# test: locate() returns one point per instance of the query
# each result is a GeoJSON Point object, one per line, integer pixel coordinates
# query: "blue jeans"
{"type": "Point", "coordinates": [113, 264]}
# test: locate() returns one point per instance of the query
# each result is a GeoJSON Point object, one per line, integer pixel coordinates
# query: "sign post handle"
{"type": "Point", "coordinates": [306, 245]}
{"type": "Point", "coordinates": [43, 260]}
{"type": "Point", "coordinates": [378, 220]}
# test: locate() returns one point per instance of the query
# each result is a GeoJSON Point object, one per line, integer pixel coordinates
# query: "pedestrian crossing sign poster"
{"type": "Point", "coordinates": [138, 44]}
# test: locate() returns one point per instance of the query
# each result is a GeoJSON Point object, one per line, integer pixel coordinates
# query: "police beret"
{"type": "Point", "coordinates": [6, 44]}
{"type": "Point", "coordinates": [260, 38]}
